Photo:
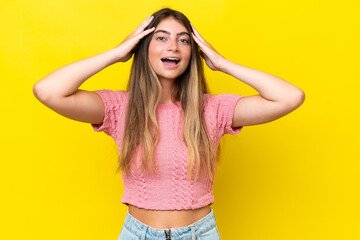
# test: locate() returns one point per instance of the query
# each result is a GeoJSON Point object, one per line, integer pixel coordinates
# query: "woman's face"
{"type": "Point", "coordinates": [170, 40]}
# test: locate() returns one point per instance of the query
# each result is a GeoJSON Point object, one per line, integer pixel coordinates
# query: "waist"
{"type": "Point", "coordinates": [168, 218]}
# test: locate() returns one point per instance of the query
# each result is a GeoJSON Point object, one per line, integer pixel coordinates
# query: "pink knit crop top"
{"type": "Point", "coordinates": [170, 189]}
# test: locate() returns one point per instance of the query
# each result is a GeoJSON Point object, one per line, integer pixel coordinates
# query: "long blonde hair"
{"type": "Point", "coordinates": [144, 94]}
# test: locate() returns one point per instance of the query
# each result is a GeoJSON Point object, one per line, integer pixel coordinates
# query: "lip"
{"type": "Point", "coordinates": [170, 66]}
{"type": "Point", "coordinates": [172, 57]}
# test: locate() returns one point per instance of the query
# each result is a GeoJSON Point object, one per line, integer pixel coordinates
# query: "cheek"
{"type": "Point", "coordinates": [187, 51]}
{"type": "Point", "coordinates": [187, 54]}
{"type": "Point", "coordinates": [154, 46]}
{"type": "Point", "coordinates": [154, 51]}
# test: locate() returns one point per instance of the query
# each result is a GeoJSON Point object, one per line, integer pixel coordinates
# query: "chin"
{"type": "Point", "coordinates": [169, 76]}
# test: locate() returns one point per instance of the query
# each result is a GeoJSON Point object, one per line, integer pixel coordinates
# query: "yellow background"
{"type": "Point", "coordinates": [294, 178]}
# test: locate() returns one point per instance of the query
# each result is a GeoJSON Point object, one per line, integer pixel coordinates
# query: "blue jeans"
{"type": "Point", "coordinates": [203, 229]}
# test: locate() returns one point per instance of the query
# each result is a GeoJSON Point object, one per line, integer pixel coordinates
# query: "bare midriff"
{"type": "Point", "coordinates": [168, 218]}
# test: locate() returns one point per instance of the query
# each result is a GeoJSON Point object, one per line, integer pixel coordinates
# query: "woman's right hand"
{"type": "Point", "coordinates": [125, 48]}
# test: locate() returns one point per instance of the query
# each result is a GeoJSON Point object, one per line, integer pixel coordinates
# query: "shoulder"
{"type": "Point", "coordinates": [112, 93]}
{"type": "Point", "coordinates": [108, 94]}
{"type": "Point", "coordinates": [223, 105]}
{"type": "Point", "coordinates": [113, 98]}
{"type": "Point", "coordinates": [208, 97]}
{"type": "Point", "coordinates": [213, 100]}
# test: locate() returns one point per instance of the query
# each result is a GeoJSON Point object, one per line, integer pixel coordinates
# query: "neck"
{"type": "Point", "coordinates": [167, 86]}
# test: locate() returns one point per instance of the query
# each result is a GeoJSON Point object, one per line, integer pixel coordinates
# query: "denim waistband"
{"type": "Point", "coordinates": [140, 229]}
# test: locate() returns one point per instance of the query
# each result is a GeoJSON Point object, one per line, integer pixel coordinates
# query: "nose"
{"type": "Point", "coordinates": [172, 45]}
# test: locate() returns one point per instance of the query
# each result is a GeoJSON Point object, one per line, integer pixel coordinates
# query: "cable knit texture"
{"type": "Point", "coordinates": [170, 189]}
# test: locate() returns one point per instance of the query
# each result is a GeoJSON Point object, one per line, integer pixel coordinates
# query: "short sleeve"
{"type": "Point", "coordinates": [224, 107]}
{"type": "Point", "coordinates": [114, 103]}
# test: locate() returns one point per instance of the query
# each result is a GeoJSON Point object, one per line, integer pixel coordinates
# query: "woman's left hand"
{"type": "Point", "coordinates": [212, 58]}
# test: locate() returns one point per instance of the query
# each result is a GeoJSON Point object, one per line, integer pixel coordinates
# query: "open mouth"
{"type": "Point", "coordinates": [170, 62]}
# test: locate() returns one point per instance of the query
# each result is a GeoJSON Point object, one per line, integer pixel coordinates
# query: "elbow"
{"type": "Point", "coordinates": [297, 98]}
{"type": "Point", "coordinates": [39, 92]}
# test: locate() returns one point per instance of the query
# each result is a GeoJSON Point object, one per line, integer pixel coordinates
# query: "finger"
{"type": "Point", "coordinates": [198, 41]}
{"type": "Point", "coordinates": [145, 25]}
{"type": "Point", "coordinates": [148, 17]}
{"type": "Point", "coordinates": [197, 33]}
{"type": "Point", "coordinates": [144, 33]}
{"type": "Point", "coordinates": [142, 23]}
{"type": "Point", "coordinates": [203, 47]}
{"type": "Point", "coordinates": [146, 22]}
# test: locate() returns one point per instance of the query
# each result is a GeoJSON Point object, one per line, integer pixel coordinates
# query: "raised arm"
{"type": "Point", "coordinates": [276, 99]}
{"type": "Point", "coordinates": [59, 89]}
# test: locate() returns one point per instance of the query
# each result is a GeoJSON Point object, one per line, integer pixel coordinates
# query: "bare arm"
{"type": "Point", "coordinates": [59, 89]}
{"type": "Point", "coordinates": [277, 96]}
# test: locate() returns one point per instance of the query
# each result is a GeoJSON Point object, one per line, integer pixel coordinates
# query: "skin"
{"type": "Point", "coordinates": [276, 99]}
{"type": "Point", "coordinates": [170, 38]}
{"type": "Point", "coordinates": [60, 91]}
{"type": "Point", "coordinates": [172, 43]}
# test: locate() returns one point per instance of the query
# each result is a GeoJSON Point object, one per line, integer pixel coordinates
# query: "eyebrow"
{"type": "Point", "coordinates": [166, 32]}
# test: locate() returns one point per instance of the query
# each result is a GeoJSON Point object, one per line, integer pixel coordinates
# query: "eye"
{"type": "Point", "coordinates": [160, 38]}
{"type": "Point", "coordinates": [184, 41]}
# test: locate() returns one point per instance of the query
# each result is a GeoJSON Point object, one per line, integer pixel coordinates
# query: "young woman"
{"type": "Point", "coordinates": [166, 125]}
